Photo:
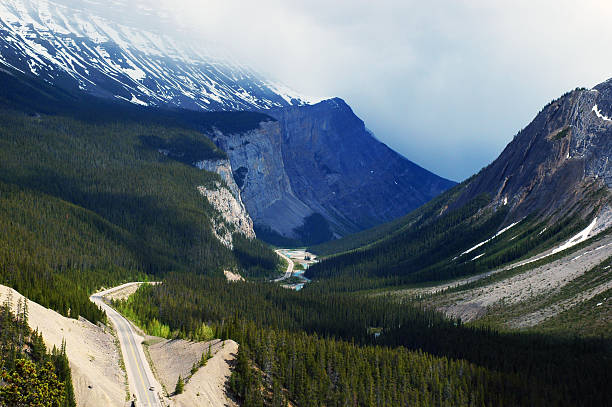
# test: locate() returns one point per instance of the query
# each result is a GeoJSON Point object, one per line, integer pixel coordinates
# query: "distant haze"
{"type": "Point", "coordinates": [446, 83]}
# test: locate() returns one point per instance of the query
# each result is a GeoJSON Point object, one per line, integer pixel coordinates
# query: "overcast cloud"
{"type": "Point", "coordinates": [445, 83]}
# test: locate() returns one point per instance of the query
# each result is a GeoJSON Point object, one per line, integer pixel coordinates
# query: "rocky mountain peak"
{"type": "Point", "coordinates": [318, 167]}
{"type": "Point", "coordinates": [604, 86]}
{"type": "Point", "coordinates": [556, 160]}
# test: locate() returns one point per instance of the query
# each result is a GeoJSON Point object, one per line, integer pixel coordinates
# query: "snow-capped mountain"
{"type": "Point", "coordinates": [74, 48]}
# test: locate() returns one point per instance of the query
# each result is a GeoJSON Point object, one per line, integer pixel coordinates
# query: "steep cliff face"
{"type": "Point", "coordinates": [225, 198]}
{"type": "Point", "coordinates": [224, 169]}
{"type": "Point", "coordinates": [341, 171]}
{"type": "Point", "coordinates": [556, 160]}
{"type": "Point", "coordinates": [259, 171]}
{"type": "Point", "coordinates": [233, 217]}
{"type": "Point", "coordinates": [317, 172]}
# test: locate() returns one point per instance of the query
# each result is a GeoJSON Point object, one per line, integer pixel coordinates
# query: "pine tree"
{"type": "Point", "coordinates": [180, 386]}
{"type": "Point", "coordinates": [30, 385]}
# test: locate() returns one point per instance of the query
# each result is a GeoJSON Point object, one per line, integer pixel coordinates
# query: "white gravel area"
{"type": "Point", "coordinates": [94, 359]}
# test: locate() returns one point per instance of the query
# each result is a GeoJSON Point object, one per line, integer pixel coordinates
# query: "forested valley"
{"type": "Point", "coordinates": [434, 243]}
{"type": "Point", "coordinates": [317, 347]}
{"type": "Point", "coordinates": [88, 201]}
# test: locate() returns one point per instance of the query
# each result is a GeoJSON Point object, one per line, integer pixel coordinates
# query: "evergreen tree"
{"type": "Point", "coordinates": [180, 386]}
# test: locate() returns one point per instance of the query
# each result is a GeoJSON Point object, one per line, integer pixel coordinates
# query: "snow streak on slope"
{"type": "Point", "coordinates": [579, 238]}
{"type": "Point", "coordinates": [488, 240]}
{"type": "Point", "coordinates": [77, 49]}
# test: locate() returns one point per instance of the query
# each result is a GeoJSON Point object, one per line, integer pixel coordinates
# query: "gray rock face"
{"type": "Point", "coordinates": [224, 169]}
{"type": "Point", "coordinates": [257, 164]}
{"type": "Point", "coordinates": [551, 164]}
{"type": "Point", "coordinates": [233, 215]}
{"type": "Point", "coordinates": [340, 170]}
{"type": "Point", "coordinates": [321, 159]}
{"type": "Point", "coordinates": [226, 199]}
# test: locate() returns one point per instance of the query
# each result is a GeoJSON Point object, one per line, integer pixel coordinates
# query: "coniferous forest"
{"type": "Point", "coordinates": [88, 201]}
{"type": "Point", "coordinates": [318, 347]}
{"type": "Point", "coordinates": [423, 247]}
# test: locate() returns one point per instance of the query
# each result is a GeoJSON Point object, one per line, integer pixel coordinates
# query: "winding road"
{"type": "Point", "coordinates": [140, 378]}
{"type": "Point", "coordinates": [289, 271]}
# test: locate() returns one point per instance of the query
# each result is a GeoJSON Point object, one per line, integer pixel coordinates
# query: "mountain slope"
{"type": "Point", "coordinates": [550, 184]}
{"type": "Point", "coordinates": [338, 168]}
{"type": "Point", "coordinates": [78, 48]}
{"type": "Point", "coordinates": [549, 164]}
{"type": "Point", "coordinates": [317, 172]}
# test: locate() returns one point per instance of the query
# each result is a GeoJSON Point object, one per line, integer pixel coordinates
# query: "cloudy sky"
{"type": "Point", "coordinates": [446, 83]}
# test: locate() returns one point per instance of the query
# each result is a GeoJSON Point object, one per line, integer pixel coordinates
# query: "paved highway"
{"type": "Point", "coordinates": [140, 377]}
{"type": "Point", "coordinates": [289, 271]}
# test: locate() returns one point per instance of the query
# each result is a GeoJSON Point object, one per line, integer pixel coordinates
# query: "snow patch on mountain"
{"type": "Point", "coordinates": [578, 238]}
{"type": "Point", "coordinates": [600, 115]}
{"type": "Point", "coordinates": [61, 43]}
{"type": "Point", "coordinates": [489, 239]}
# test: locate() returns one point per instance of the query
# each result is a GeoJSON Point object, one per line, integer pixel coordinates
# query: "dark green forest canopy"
{"type": "Point", "coordinates": [30, 374]}
{"type": "Point", "coordinates": [322, 346]}
{"type": "Point", "coordinates": [87, 200]}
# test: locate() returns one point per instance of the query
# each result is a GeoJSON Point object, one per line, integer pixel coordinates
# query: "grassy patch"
{"type": "Point", "coordinates": [592, 318]}
{"type": "Point", "coordinates": [561, 135]}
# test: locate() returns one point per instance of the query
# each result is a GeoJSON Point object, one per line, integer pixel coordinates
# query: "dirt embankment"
{"type": "Point", "coordinates": [207, 387]}
{"type": "Point", "coordinates": [232, 276]}
{"type": "Point", "coordinates": [123, 293]}
{"type": "Point", "coordinates": [94, 360]}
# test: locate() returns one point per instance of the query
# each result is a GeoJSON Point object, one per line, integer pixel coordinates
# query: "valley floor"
{"type": "Point", "coordinates": [298, 262]}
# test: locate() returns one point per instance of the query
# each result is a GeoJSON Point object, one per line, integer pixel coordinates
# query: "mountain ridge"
{"type": "Point", "coordinates": [78, 51]}
{"type": "Point", "coordinates": [294, 187]}
{"type": "Point", "coordinates": [317, 169]}
{"type": "Point", "coordinates": [564, 149]}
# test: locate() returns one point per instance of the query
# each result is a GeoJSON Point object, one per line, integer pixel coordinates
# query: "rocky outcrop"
{"type": "Point", "coordinates": [558, 162]}
{"type": "Point", "coordinates": [233, 215]}
{"type": "Point", "coordinates": [317, 163]}
{"type": "Point", "coordinates": [224, 169]}
{"type": "Point", "coordinates": [226, 199]}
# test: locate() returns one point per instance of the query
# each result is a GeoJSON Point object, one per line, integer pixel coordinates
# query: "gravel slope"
{"type": "Point", "coordinates": [207, 386]}
{"type": "Point", "coordinates": [94, 360]}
